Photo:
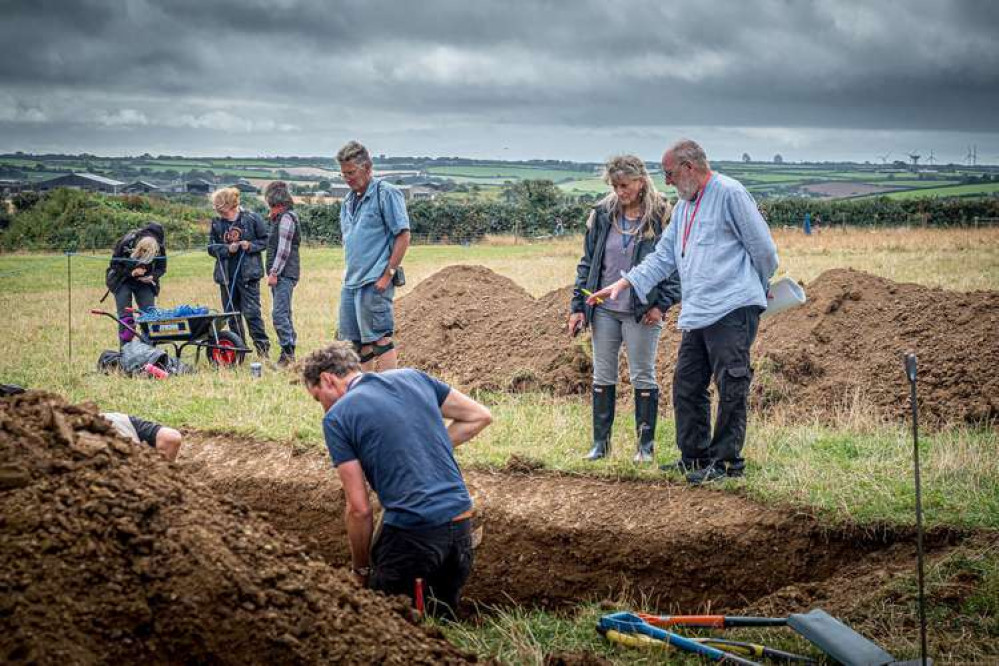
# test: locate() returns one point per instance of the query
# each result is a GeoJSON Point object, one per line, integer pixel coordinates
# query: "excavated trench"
{"type": "Point", "coordinates": [553, 541]}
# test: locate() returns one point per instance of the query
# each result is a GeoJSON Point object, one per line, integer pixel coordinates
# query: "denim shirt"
{"type": "Point", "coordinates": [367, 237]}
{"type": "Point", "coordinates": [729, 260]}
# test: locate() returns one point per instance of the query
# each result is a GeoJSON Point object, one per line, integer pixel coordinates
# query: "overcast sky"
{"type": "Point", "coordinates": [507, 79]}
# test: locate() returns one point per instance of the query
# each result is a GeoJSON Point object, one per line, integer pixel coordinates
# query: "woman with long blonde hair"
{"type": "Point", "coordinates": [622, 229]}
{"type": "Point", "coordinates": [138, 261]}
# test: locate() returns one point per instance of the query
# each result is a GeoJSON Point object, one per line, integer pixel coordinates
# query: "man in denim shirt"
{"type": "Point", "coordinates": [725, 254]}
{"type": "Point", "coordinates": [375, 229]}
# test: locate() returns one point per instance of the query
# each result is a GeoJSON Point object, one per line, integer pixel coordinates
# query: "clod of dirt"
{"type": "Point", "coordinates": [483, 331]}
{"type": "Point", "coordinates": [108, 554]}
{"type": "Point", "coordinates": [516, 464]}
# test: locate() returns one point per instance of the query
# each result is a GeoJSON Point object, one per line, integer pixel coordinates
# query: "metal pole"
{"type": "Point", "coordinates": [910, 371]}
{"type": "Point", "coordinates": [69, 305]}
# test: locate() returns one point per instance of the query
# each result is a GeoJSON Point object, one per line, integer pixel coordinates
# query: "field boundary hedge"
{"type": "Point", "coordinates": [75, 220]}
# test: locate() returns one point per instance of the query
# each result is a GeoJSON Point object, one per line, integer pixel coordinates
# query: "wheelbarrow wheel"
{"type": "Point", "coordinates": [227, 353]}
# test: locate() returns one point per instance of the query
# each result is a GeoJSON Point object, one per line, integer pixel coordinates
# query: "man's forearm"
{"type": "Point", "coordinates": [399, 249]}
{"type": "Point", "coordinates": [462, 431]}
{"type": "Point", "coordinates": [360, 527]}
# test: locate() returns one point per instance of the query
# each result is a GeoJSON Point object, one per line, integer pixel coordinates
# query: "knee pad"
{"type": "Point", "coordinates": [377, 350]}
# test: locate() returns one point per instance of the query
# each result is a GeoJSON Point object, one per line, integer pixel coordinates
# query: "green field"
{"type": "Point", "coordinates": [508, 172]}
{"type": "Point", "coordinates": [980, 189]}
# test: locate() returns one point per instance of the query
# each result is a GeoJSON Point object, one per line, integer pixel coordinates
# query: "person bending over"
{"type": "Point", "coordinates": [388, 430]}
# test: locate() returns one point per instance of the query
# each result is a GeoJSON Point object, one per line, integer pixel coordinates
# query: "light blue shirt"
{"type": "Point", "coordinates": [368, 237]}
{"type": "Point", "coordinates": [729, 260]}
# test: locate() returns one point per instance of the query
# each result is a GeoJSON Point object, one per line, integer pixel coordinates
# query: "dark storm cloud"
{"type": "Point", "coordinates": [287, 66]}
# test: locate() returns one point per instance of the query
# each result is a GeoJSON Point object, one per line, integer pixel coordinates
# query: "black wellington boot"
{"type": "Point", "coordinates": [646, 415]}
{"type": "Point", "coordinates": [603, 420]}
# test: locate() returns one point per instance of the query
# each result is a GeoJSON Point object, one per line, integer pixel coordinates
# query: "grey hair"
{"type": "Point", "coordinates": [653, 204]}
{"type": "Point", "coordinates": [276, 194]}
{"type": "Point", "coordinates": [354, 152]}
{"type": "Point", "coordinates": [339, 359]}
{"type": "Point", "coordinates": [687, 150]}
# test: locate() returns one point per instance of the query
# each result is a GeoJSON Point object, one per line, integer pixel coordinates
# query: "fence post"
{"type": "Point", "coordinates": [69, 305]}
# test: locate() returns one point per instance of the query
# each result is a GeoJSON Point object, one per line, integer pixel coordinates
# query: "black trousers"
{"type": "Point", "coordinates": [143, 294]}
{"type": "Point", "coordinates": [720, 350]}
{"type": "Point", "coordinates": [246, 299]}
{"type": "Point", "coordinates": [441, 556]}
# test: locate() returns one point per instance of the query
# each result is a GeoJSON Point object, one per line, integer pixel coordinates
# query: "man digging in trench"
{"type": "Point", "coordinates": [388, 429]}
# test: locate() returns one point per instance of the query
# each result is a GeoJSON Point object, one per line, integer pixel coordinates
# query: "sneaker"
{"type": "Point", "coordinates": [706, 475]}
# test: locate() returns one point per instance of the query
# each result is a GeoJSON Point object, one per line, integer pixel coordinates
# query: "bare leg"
{"type": "Point", "coordinates": [390, 359]}
{"type": "Point", "coordinates": [387, 361]}
{"type": "Point", "coordinates": [168, 442]}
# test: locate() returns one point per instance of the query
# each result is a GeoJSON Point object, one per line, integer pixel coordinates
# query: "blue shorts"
{"type": "Point", "coordinates": [365, 314]}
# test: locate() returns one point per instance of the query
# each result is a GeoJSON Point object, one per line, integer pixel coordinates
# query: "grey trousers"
{"type": "Point", "coordinates": [641, 343]}
{"type": "Point", "coordinates": [281, 311]}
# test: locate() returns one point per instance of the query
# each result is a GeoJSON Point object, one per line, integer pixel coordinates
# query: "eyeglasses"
{"type": "Point", "coordinates": [668, 173]}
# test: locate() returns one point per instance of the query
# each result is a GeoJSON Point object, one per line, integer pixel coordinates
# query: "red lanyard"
{"type": "Point", "coordinates": [688, 225]}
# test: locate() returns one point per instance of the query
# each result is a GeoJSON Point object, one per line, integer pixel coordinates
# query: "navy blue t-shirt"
{"type": "Point", "coordinates": [391, 422]}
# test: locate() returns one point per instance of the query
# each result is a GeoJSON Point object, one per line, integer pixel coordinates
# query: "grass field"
{"type": "Point", "coordinates": [507, 172]}
{"type": "Point", "coordinates": [976, 189]}
{"type": "Point", "coordinates": [855, 471]}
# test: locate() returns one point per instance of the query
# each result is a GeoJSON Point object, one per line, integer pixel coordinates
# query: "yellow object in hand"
{"type": "Point", "coordinates": [588, 294]}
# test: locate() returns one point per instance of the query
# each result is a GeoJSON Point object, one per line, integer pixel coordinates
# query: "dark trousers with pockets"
{"type": "Point", "coordinates": [721, 351]}
{"type": "Point", "coordinates": [441, 556]}
{"type": "Point", "coordinates": [246, 299]}
{"type": "Point", "coordinates": [143, 294]}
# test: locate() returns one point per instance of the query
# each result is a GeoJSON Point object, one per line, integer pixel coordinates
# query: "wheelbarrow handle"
{"type": "Point", "coordinates": [134, 330]}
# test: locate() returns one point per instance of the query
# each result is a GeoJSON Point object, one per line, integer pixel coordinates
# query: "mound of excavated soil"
{"type": "Point", "coordinates": [854, 330]}
{"type": "Point", "coordinates": [108, 554]}
{"type": "Point", "coordinates": [483, 331]}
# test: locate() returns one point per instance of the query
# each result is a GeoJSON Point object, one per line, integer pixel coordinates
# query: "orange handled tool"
{"type": "Point", "coordinates": [711, 621]}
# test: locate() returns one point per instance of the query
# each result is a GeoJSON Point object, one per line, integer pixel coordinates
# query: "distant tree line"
{"type": "Point", "coordinates": [881, 211]}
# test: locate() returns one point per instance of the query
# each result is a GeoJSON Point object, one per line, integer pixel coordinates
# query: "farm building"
{"type": "Point", "coordinates": [82, 181]}
{"type": "Point", "coordinates": [199, 186]}
{"type": "Point", "coordinates": [339, 190]}
{"type": "Point", "coordinates": [140, 187]}
{"type": "Point", "coordinates": [10, 186]}
{"type": "Point", "coordinates": [245, 186]}
{"type": "Point", "coordinates": [418, 192]}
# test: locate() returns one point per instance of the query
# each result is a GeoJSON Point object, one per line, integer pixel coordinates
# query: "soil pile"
{"type": "Point", "coordinates": [483, 331]}
{"type": "Point", "coordinates": [109, 554]}
{"type": "Point", "coordinates": [852, 334]}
